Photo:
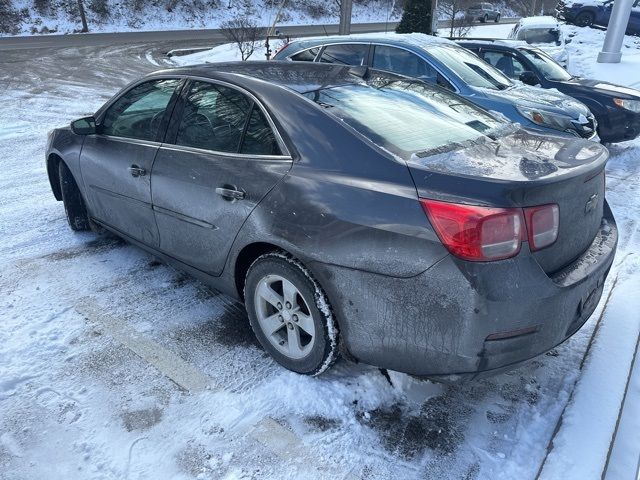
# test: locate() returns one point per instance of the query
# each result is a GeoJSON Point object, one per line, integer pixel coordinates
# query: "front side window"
{"type": "Point", "coordinates": [505, 62]}
{"type": "Point", "coordinates": [403, 62]}
{"type": "Point", "coordinates": [345, 54]}
{"type": "Point", "coordinates": [470, 68]}
{"type": "Point", "coordinates": [406, 117]}
{"type": "Point", "coordinates": [308, 55]}
{"type": "Point", "coordinates": [139, 112]}
{"type": "Point", "coordinates": [213, 118]}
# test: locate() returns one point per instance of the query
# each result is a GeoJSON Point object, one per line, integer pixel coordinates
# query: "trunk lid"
{"type": "Point", "coordinates": [524, 170]}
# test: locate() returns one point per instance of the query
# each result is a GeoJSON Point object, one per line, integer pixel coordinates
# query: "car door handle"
{"type": "Point", "coordinates": [230, 193]}
{"type": "Point", "coordinates": [136, 171]}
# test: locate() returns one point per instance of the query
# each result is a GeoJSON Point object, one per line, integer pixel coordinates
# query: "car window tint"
{"type": "Point", "coordinates": [139, 112]}
{"type": "Point", "coordinates": [259, 138]}
{"type": "Point", "coordinates": [401, 61]}
{"type": "Point", "coordinates": [213, 118]}
{"type": "Point", "coordinates": [306, 55]}
{"type": "Point", "coordinates": [345, 54]}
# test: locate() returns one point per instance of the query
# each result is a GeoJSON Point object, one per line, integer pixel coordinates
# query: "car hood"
{"type": "Point", "coordinates": [517, 156]}
{"type": "Point", "coordinates": [604, 88]}
{"type": "Point", "coordinates": [538, 98]}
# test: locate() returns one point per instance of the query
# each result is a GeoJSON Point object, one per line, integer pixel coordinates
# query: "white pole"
{"type": "Point", "coordinates": [615, 32]}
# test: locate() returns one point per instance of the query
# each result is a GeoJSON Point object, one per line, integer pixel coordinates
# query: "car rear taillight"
{"type": "Point", "coordinates": [482, 234]}
{"type": "Point", "coordinates": [476, 233]}
{"type": "Point", "coordinates": [542, 225]}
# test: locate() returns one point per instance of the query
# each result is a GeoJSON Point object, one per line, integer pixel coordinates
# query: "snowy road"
{"type": "Point", "coordinates": [99, 343]}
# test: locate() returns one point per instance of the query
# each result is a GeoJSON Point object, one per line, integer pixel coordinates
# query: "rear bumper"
{"type": "Point", "coordinates": [437, 324]}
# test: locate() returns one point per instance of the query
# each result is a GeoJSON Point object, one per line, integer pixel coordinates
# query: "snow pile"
{"type": "Point", "coordinates": [583, 53]}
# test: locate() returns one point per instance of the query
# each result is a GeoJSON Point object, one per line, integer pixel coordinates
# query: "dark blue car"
{"type": "Point", "coordinates": [589, 12]}
{"type": "Point", "coordinates": [616, 108]}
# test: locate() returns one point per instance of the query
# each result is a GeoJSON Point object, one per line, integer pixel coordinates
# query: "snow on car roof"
{"type": "Point", "coordinates": [539, 22]}
{"type": "Point", "coordinates": [417, 39]}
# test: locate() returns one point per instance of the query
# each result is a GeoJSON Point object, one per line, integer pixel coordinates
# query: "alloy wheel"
{"type": "Point", "coordinates": [284, 316]}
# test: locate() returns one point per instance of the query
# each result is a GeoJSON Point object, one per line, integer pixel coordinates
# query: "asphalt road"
{"type": "Point", "coordinates": [210, 36]}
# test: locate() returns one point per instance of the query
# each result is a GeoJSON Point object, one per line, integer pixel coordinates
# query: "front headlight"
{"type": "Point", "coordinates": [546, 119]}
{"type": "Point", "coordinates": [632, 105]}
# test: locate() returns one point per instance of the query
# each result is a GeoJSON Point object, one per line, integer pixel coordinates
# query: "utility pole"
{"type": "Point", "coordinates": [83, 17]}
{"type": "Point", "coordinates": [345, 17]}
{"type": "Point", "coordinates": [615, 32]}
{"type": "Point", "coordinates": [434, 17]}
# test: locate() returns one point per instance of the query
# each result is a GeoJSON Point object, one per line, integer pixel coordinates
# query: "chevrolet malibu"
{"type": "Point", "coordinates": [351, 210]}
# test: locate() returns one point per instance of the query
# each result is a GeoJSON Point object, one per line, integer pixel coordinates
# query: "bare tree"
{"type": "Point", "coordinates": [244, 32]}
{"type": "Point", "coordinates": [454, 11]}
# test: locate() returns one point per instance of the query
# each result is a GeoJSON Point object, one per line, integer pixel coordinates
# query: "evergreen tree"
{"type": "Point", "coordinates": [416, 17]}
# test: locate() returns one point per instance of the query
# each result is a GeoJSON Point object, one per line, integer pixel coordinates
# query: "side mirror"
{"type": "Point", "coordinates": [84, 126]}
{"type": "Point", "coordinates": [529, 78]}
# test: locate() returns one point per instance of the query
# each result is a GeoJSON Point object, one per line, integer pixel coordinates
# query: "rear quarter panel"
{"type": "Point", "coordinates": [344, 202]}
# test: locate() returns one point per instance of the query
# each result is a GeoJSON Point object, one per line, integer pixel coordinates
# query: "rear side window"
{"type": "Point", "coordinates": [213, 118]}
{"type": "Point", "coordinates": [139, 112]}
{"type": "Point", "coordinates": [345, 54]}
{"type": "Point", "coordinates": [259, 138]}
{"type": "Point", "coordinates": [308, 55]}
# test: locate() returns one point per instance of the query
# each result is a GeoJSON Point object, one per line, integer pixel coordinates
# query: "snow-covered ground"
{"type": "Point", "coordinates": [124, 17]}
{"type": "Point", "coordinates": [99, 344]}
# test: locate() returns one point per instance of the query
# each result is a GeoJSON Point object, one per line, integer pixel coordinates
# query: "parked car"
{"type": "Point", "coordinates": [351, 210]}
{"type": "Point", "coordinates": [544, 33]}
{"type": "Point", "coordinates": [483, 12]}
{"type": "Point", "coordinates": [441, 61]}
{"type": "Point", "coordinates": [586, 13]}
{"type": "Point", "coordinates": [616, 108]}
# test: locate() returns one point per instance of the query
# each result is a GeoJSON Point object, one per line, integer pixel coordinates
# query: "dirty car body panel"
{"type": "Point", "coordinates": [348, 206]}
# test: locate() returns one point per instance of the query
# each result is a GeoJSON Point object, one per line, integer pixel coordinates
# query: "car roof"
{"type": "Point", "coordinates": [498, 44]}
{"type": "Point", "coordinates": [300, 77]}
{"type": "Point", "coordinates": [539, 22]}
{"type": "Point", "coordinates": [419, 40]}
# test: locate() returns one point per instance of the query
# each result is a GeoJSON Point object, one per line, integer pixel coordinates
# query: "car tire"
{"type": "Point", "coordinates": [290, 314]}
{"type": "Point", "coordinates": [74, 205]}
{"type": "Point", "coordinates": [485, 18]}
{"type": "Point", "coordinates": [497, 19]}
{"type": "Point", "coordinates": [584, 19]}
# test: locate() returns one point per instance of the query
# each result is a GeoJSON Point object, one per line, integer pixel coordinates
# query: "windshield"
{"type": "Point", "coordinates": [539, 35]}
{"type": "Point", "coordinates": [549, 68]}
{"type": "Point", "coordinates": [406, 117]}
{"type": "Point", "coordinates": [470, 68]}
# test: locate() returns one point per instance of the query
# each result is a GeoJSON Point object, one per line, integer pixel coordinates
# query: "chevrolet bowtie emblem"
{"type": "Point", "coordinates": [591, 204]}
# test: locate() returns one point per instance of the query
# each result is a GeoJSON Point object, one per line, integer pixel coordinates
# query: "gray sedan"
{"type": "Point", "coordinates": [350, 210]}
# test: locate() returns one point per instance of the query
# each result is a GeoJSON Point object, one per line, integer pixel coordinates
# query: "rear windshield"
{"type": "Point", "coordinates": [539, 35]}
{"type": "Point", "coordinates": [406, 117]}
{"type": "Point", "coordinates": [470, 68]}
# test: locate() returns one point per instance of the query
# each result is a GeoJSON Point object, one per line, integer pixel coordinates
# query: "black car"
{"type": "Point", "coordinates": [350, 210]}
{"type": "Point", "coordinates": [616, 108]}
